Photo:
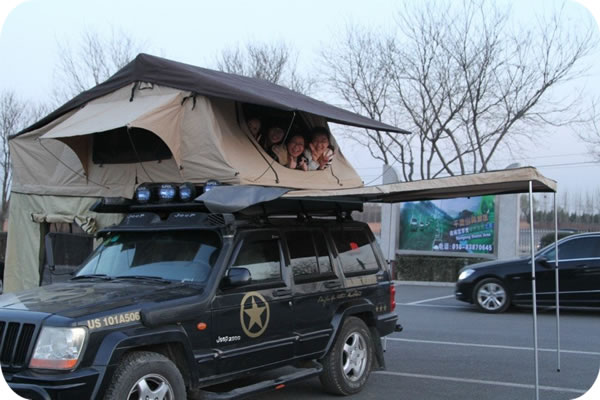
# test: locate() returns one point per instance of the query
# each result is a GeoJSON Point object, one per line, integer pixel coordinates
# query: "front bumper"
{"type": "Point", "coordinates": [463, 291]}
{"type": "Point", "coordinates": [55, 386]}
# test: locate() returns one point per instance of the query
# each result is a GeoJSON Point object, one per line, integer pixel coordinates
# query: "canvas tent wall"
{"type": "Point", "coordinates": [195, 113]}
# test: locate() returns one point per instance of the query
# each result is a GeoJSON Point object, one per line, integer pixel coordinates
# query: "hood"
{"type": "Point", "coordinates": [76, 299]}
{"type": "Point", "coordinates": [496, 263]}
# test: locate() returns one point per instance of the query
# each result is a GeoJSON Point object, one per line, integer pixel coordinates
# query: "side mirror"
{"type": "Point", "coordinates": [543, 261]}
{"type": "Point", "coordinates": [236, 277]}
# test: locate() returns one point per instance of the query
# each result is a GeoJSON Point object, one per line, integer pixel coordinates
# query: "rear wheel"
{"type": "Point", "coordinates": [348, 364]}
{"type": "Point", "coordinates": [491, 296]}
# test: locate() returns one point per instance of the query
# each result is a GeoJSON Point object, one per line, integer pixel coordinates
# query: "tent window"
{"type": "Point", "coordinates": [115, 147]}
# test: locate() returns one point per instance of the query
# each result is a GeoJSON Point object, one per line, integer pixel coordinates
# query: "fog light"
{"type": "Point", "coordinates": [166, 193]}
{"type": "Point", "coordinates": [142, 194]}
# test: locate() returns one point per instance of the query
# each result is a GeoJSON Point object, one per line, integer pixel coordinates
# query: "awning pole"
{"type": "Point", "coordinates": [556, 278]}
{"type": "Point", "coordinates": [534, 294]}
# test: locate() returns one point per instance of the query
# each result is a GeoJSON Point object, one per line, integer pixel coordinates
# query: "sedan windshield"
{"type": "Point", "coordinates": [174, 256]}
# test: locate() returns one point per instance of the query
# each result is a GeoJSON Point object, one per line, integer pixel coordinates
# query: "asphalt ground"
{"type": "Point", "coordinates": [448, 350]}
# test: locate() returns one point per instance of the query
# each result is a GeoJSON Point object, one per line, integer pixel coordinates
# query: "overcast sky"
{"type": "Point", "coordinates": [194, 32]}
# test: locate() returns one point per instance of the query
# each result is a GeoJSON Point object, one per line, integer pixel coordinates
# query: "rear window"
{"type": "Point", "coordinates": [355, 251]}
{"type": "Point", "coordinates": [309, 255]}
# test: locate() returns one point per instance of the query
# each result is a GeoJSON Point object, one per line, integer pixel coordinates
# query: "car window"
{"type": "Point", "coordinates": [302, 253]}
{"type": "Point", "coordinates": [309, 255]}
{"type": "Point", "coordinates": [261, 258]}
{"type": "Point", "coordinates": [587, 247]}
{"type": "Point", "coordinates": [355, 251]}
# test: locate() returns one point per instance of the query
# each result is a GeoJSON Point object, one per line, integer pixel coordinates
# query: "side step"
{"type": "Point", "coordinates": [264, 386]}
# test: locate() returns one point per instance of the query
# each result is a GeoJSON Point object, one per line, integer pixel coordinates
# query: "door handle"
{"type": "Point", "coordinates": [332, 284]}
{"type": "Point", "coordinates": [281, 292]}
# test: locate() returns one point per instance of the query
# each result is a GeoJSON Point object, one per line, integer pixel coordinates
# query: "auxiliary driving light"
{"type": "Point", "coordinates": [187, 192]}
{"type": "Point", "coordinates": [166, 193]}
{"type": "Point", "coordinates": [211, 184]}
{"type": "Point", "coordinates": [143, 194]}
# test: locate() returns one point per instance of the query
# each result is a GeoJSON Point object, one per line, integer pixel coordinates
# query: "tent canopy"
{"type": "Point", "coordinates": [156, 70]}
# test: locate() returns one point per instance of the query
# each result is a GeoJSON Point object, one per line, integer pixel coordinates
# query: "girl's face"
{"type": "Point", "coordinates": [275, 135]}
{"type": "Point", "coordinates": [254, 126]}
{"type": "Point", "coordinates": [320, 143]}
{"type": "Point", "coordinates": [295, 146]}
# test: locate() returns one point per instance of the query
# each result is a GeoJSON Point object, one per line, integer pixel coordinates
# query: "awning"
{"type": "Point", "coordinates": [494, 182]}
{"type": "Point", "coordinates": [159, 114]}
{"type": "Point", "coordinates": [238, 198]}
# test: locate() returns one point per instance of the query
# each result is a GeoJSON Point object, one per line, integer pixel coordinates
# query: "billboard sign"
{"type": "Point", "coordinates": [462, 225]}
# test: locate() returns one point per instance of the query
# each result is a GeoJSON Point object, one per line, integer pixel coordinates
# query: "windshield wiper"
{"type": "Point", "coordinates": [92, 276]}
{"type": "Point", "coordinates": [144, 277]}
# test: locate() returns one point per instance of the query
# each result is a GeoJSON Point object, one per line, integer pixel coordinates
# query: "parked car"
{"type": "Point", "coordinates": [495, 285]}
{"type": "Point", "coordinates": [177, 299]}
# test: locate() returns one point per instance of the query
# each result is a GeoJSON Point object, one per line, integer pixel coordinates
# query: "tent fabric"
{"type": "Point", "coordinates": [205, 136]}
{"type": "Point", "coordinates": [159, 114]}
{"type": "Point", "coordinates": [24, 250]}
{"type": "Point", "coordinates": [214, 84]}
{"type": "Point", "coordinates": [495, 182]}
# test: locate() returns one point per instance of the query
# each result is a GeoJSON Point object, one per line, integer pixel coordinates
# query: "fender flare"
{"type": "Point", "coordinates": [359, 306]}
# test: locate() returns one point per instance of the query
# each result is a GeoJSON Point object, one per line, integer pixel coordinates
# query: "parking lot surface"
{"type": "Point", "coordinates": [448, 350]}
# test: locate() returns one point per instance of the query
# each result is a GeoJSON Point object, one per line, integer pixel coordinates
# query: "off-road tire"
{"type": "Point", "coordinates": [152, 366]}
{"type": "Point", "coordinates": [491, 296]}
{"type": "Point", "coordinates": [333, 378]}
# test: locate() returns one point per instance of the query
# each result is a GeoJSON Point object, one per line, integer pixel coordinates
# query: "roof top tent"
{"type": "Point", "coordinates": [155, 120]}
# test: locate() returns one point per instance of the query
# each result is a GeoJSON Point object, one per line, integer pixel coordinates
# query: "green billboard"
{"type": "Point", "coordinates": [462, 225]}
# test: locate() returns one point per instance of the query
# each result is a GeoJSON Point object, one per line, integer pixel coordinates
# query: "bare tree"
{"type": "Point", "coordinates": [273, 62]}
{"type": "Point", "coordinates": [92, 60]}
{"type": "Point", "coordinates": [462, 79]}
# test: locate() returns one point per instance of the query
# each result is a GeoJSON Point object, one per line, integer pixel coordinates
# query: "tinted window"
{"type": "Point", "coordinates": [262, 259]}
{"type": "Point", "coordinates": [302, 253]}
{"type": "Point", "coordinates": [588, 247]}
{"type": "Point", "coordinates": [356, 253]}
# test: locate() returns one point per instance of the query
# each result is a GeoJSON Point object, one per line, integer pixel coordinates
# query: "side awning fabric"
{"type": "Point", "coordinates": [494, 182]}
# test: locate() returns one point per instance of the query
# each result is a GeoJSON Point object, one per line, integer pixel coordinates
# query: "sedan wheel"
{"type": "Point", "coordinates": [491, 296]}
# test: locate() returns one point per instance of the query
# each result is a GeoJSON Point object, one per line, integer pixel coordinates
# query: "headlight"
{"type": "Point", "coordinates": [465, 274]}
{"type": "Point", "coordinates": [58, 348]}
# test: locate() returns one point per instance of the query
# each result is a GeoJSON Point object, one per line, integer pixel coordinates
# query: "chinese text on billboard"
{"type": "Point", "coordinates": [464, 225]}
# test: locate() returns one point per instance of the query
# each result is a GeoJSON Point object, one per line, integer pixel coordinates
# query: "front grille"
{"type": "Point", "coordinates": [15, 344]}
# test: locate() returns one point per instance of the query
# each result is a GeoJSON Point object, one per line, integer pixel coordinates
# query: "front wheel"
{"type": "Point", "coordinates": [146, 375]}
{"type": "Point", "coordinates": [348, 363]}
{"type": "Point", "coordinates": [491, 296]}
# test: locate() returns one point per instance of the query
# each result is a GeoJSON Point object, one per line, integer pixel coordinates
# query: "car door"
{"type": "Point", "coordinates": [252, 324]}
{"type": "Point", "coordinates": [579, 271]}
{"type": "Point", "coordinates": [315, 285]}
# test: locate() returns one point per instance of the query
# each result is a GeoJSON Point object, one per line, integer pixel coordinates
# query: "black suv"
{"type": "Point", "coordinates": [176, 300]}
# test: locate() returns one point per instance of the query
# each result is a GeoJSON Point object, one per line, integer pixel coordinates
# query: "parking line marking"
{"type": "Point", "coordinates": [431, 305]}
{"type": "Point", "coordinates": [493, 346]}
{"type": "Point", "coordinates": [480, 382]}
{"type": "Point", "coordinates": [428, 300]}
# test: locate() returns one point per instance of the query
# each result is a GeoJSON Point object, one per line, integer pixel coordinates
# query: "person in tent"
{"type": "Point", "coordinates": [254, 126]}
{"type": "Point", "coordinates": [319, 152]}
{"type": "Point", "coordinates": [273, 137]}
{"type": "Point", "coordinates": [291, 154]}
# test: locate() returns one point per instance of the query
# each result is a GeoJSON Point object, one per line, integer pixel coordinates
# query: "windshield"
{"type": "Point", "coordinates": [174, 255]}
